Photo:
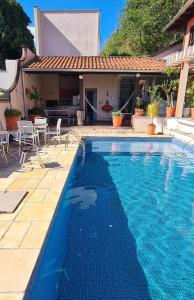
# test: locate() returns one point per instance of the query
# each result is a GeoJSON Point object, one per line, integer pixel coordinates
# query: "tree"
{"type": "Point", "coordinates": [141, 27]}
{"type": "Point", "coordinates": [13, 29]}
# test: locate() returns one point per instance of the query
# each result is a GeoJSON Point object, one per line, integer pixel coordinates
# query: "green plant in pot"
{"type": "Point", "coordinates": [138, 107]}
{"type": "Point", "coordinates": [189, 96]}
{"type": "Point", "coordinates": [12, 116]}
{"type": "Point", "coordinates": [152, 111]}
{"type": "Point", "coordinates": [117, 118]}
{"type": "Point", "coordinates": [192, 110]}
{"type": "Point", "coordinates": [170, 89]}
{"type": "Point", "coordinates": [35, 112]}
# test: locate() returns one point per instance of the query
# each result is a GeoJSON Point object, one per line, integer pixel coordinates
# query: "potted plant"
{"type": "Point", "coordinates": [138, 107]}
{"type": "Point", "coordinates": [12, 115]}
{"type": "Point", "coordinates": [192, 110]}
{"type": "Point", "coordinates": [152, 112]}
{"type": "Point", "coordinates": [187, 108]}
{"type": "Point", "coordinates": [170, 89]}
{"type": "Point", "coordinates": [117, 118]}
{"type": "Point", "coordinates": [189, 96]}
{"type": "Point", "coordinates": [35, 112]}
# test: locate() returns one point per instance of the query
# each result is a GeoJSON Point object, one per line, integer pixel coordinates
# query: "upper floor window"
{"type": "Point", "coordinates": [192, 35]}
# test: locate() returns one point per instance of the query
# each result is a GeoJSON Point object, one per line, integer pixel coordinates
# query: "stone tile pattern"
{"type": "Point", "coordinates": [22, 233]}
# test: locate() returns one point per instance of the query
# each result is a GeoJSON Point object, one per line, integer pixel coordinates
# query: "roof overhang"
{"type": "Point", "coordinates": [181, 18]}
{"type": "Point", "coordinates": [90, 71]}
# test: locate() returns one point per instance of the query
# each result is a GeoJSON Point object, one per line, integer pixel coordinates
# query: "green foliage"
{"type": "Point", "coordinates": [138, 103]}
{"type": "Point", "coordinates": [140, 31]}
{"type": "Point", "coordinates": [13, 29]}
{"type": "Point", "coordinates": [189, 97]}
{"type": "Point", "coordinates": [170, 85]}
{"type": "Point", "coordinates": [154, 92]}
{"type": "Point", "coordinates": [153, 110]}
{"type": "Point", "coordinates": [116, 114]}
{"type": "Point", "coordinates": [36, 111]}
{"type": "Point", "coordinates": [12, 112]}
{"type": "Point", "coordinates": [33, 94]}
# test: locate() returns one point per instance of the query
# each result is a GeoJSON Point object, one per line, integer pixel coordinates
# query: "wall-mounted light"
{"type": "Point", "coordinates": [138, 75]}
{"type": "Point", "coordinates": [81, 77]}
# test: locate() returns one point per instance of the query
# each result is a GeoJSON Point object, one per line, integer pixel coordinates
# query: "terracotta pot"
{"type": "Point", "coordinates": [151, 128]}
{"type": "Point", "coordinates": [32, 117]}
{"type": "Point", "coordinates": [117, 121]}
{"type": "Point", "coordinates": [139, 112]}
{"type": "Point", "coordinates": [11, 122]}
{"type": "Point", "coordinates": [170, 112]}
{"type": "Point", "coordinates": [192, 113]}
{"type": "Point", "coordinates": [186, 112]}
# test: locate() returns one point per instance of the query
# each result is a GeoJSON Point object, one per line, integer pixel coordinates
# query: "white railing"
{"type": "Point", "coordinates": [182, 56]}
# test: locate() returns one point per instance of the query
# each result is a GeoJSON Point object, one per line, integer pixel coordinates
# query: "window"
{"type": "Point", "coordinates": [192, 35]}
{"type": "Point", "coordinates": [4, 95]}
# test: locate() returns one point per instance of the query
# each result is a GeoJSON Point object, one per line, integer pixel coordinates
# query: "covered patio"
{"type": "Point", "coordinates": [64, 83]}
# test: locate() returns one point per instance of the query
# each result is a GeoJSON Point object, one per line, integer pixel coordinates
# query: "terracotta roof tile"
{"type": "Point", "coordinates": [97, 63]}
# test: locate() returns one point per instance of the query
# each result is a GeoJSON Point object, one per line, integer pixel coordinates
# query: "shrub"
{"type": "Point", "coordinates": [116, 114]}
{"type": "Point", "coordinates": [12, 112]}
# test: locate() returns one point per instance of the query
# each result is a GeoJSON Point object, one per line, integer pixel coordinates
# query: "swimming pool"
{"type": "Point", "coordinates": [124, 226]}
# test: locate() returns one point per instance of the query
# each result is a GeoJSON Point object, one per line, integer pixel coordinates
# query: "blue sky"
{"type": "Point", "coordinates": [110, 11]}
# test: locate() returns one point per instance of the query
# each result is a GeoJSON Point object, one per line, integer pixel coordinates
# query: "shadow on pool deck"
{"type": "Point", "coordinates": [101, 261]}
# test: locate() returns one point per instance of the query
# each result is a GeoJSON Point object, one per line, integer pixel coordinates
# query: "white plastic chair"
{"type": "Point", "coordinates": [25, 148]}
{"type": "Point", "coordinates": [4, 134]}
{"type": "Point", "coordinates": [3, 142]}
{"type": "Point", "coordinates": [56, 132]}
{"type": "Point", "coordinates": [41, 123]}
{"type": "Point", "coordinates": [27, 132]}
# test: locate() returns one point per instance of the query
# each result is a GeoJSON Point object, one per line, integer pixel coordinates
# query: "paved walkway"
{"type": "Point", "coordinates": [22, 233]}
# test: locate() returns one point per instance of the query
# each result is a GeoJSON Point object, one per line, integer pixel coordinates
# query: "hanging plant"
{"type": "Point", "coordinates": [107, 107]}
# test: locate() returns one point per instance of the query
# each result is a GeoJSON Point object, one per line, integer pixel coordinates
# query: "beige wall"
{"type": "Point", "coordinates": [50, 86]}
{"type": "Point", "coordinates": [3, 106]}
{"type": "Point", "coordinates": [67, 32]}
{"type": "Point", "coordinates": [103, 83]}
{"type": "Point", "coordinates": [31, 80]}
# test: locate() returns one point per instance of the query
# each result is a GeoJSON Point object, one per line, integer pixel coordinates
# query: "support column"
{"type": "Point", "coordinates": [182, 89]}
{"type": "Point", "coordinates": [81, 92]}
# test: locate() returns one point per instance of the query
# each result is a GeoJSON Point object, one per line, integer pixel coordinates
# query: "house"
{"type": "Point", "coordinates": [67, 69]}
{"type": "Point", "coordinates": [184, 59]}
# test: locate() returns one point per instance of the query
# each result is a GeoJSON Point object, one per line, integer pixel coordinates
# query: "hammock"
{"type": "Point", "coordinates": [102, 113]}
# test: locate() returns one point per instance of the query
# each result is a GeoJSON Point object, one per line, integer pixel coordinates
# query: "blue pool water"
{"type": "Point", "coordinates": [124, 227]}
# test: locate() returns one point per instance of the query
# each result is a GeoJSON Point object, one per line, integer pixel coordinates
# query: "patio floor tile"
{"type": "Point", "coordinates": [18, 183]}
{"type": "Point", "coordinates": [37, 212]}
{"type": "Point", "coordinates": [37, 173]}
{"type": "Point", "coordinates": [15, 235]}
{"type": "Point", "coordinates": [38, 195]}
{"type": "Point", "coordinates": [3, 227]}
{"type": "Point", "coordinates": [35, 235]}
{"type": "Point", "coordinates": [52, 183]}
{"type": "Point", "coordinates": [53, 195]}
{"type": "Point", "coordinates": [17, 266]}
{"type": "Point", "coordinates": [5, 182]}
{"type": "Point", "coordinates": [8, 296]}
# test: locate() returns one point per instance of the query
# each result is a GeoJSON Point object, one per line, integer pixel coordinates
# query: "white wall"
{"type": "Point", "coordinates": [64, 33]}
{"type": "Point", "coordinates": [103, 83]}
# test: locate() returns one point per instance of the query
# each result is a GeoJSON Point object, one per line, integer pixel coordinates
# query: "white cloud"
{"type": "Point", "coordinates": [32, 30]}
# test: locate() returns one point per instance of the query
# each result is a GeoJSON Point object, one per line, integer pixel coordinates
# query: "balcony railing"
{"type": "Point", "coordinates": [180, 57]}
